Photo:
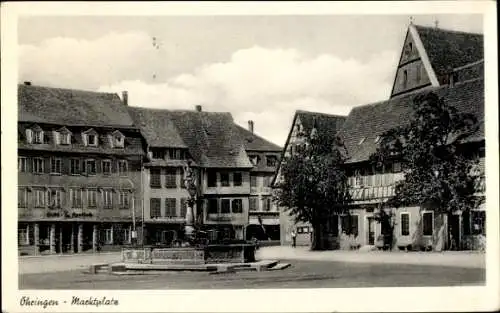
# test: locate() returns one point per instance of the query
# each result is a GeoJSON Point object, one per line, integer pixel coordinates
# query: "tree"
{"type": "Point", "coordinates": [438, 170]}
{"type": "Point", "coordinates": [313, 184]}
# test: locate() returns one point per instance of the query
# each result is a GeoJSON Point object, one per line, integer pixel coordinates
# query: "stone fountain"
{"type": "Point", "coordinates": [195, 249]}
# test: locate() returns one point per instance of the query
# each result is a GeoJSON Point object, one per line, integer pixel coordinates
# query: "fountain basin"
{"type": "Point", "coordinates": [208, 254]}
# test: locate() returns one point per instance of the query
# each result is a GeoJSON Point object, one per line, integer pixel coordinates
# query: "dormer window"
{"type": "Point", "coordinates": [255, 159]}
{"type": "Point", "coordinates": [117, 139]}
{"type": "Point", "coordinates": [90, 138]}
{"type": "Point", "coordinates": [34, 134]}
{"type": "Point", "coordinates": [62, 136]}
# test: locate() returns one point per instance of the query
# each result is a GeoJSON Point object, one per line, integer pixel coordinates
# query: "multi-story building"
{"type": "Point", "coordinates": [263, 212]}
{"type": "Point", "coordinates": [165, 195]}
{"type": "Point", "coordinates": [450, 64]}
{"type": "Point", "coordinates": [79, 181]}
{"type": "Point", "coordinates": [220, 163]}
{"type": "Point", "coordinates": [302, 125]}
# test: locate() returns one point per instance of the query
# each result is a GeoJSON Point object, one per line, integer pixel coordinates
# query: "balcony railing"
{"type": "Point", "coordinates": [371, 193]}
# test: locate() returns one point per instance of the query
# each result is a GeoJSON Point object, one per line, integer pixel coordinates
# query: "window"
{"type": "Point", "coordinates": [225, 206]}
{"type": "Point", "coordinates": [405, 224]}
{"type": "Point", "coordinates": [405, 78]}
{"type": "Point", "coordinates": [74, 167]}
{"type": "Point", "coordinates": [350, 225]}
{"type": "Point", "coordinates": [224, 179]}
{"type": "Point", "coordinates": [171, 178]}
{"type": "Point", "coordinates": [428, 223]}
{"type": "Point", "coordinates": [237, 179]}
{"type": "Point", "coordinates": [107, 198]}
{"type": "Point", "coordinates": [39, 198]}
{"type": "Point", "coordinates": [211, 178]}
{"type": "Point", "coordinates": [22, 197]}
{"type": "Point", "coordinates": [478, 222]}
{"type": "Point", "coordinates": [108, 236]}
{"type": "Point", "coordinates": [122, 167]}
{"type": "Point", "coordinates": [90, 167]}
{"type": "Point", "coordinates": [76, 197]}
{"type": "Point", "coordinates": [106, 167]}
{"type": "Point", "coordinates": [55, 198]}
{"type": "Point", "coordinates": [237, 206]}
{"type": "Point", "coordinates": [92, 198]}
{"type": "Point", "coordinates": [65, 138]}
{"type": "Point", "coordinates": [118, 140]}
{"type": "Point", "coordinates": [158, 153]}
{"type": "Point", "coordinates": [253, 180]}
{"type": "Point", "coordinates": [174, 154]}
{"type": "Point", "coordinates": [253, 203]}
{"type": "Point", "coordinates": [170, 207]}
{"type": "Point", "coordinates": [271, 160]}
{"type": "Point", "coordinates": [22, 164]}
{"type": "Point", "coordinates": [212, 206]}
{"type": "Point", "coordinates": [155, 207]}
{"type": "Point", "coordinates": [55, 165]}
{"type": "Point", "coordinates": [92, 139]}
{"type": "Point", "coordinates": [255, 159]}
{"type": "Point", "coordinates": [418, 73]}
{"type": "Point", "coordinates": [266, 203]}
{"type": "Point", "coordinates": [267, 181]}
{"type": "Point", "coordinates": [155, 180]}
{"type": "Point", "coordinates": [37, 136]}
{"type": "Point", "coordinates": [38, 165]}
{"type": "Point", "coordinates": [124, 199]}
{"type": "Point", "coordinates": [183, 207]}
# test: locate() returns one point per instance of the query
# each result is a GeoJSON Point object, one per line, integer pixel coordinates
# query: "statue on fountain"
{"type": "Point", "coordinates": [190, 184]}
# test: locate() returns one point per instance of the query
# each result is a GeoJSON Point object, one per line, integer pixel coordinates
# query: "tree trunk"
{"type": "Point", "coordinates": [317, 243]}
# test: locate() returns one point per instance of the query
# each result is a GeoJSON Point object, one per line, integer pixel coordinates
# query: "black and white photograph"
{"type": "Point", "coordinates": [250, 151]}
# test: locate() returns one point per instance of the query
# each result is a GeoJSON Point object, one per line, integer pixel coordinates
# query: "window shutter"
{"type": "Point", "coordinates": [98, 166]}
{"type": "Point", "coordinates": [57, 137]}
{"type": "Point", "coordinates": [29, 135]}
{"type": "Point", "coordinates": [83, 166]}
{"type": "Point", "coordinates": [84, 139]}
{"type": "Point", "coordinates": [110, 139]}
{"type": "Point", "coordinates": [65, 165]}
{"type": "Point", "coordinates": [46, 165]}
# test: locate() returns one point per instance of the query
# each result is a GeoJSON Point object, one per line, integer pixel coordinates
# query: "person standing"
{"type": "Point", "coordinates": [294, 238]}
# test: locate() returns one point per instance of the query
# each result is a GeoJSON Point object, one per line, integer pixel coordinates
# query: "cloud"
{"type": "Point", "coordinates": [263, 84]}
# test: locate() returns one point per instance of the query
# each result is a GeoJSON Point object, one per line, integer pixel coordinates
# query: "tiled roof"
{"type": "Point", "coordinates": [331, 123]}
{"type": "Point", "coordinates": [366, 122]}
{"type": "Point", "coordinates": [209, 136]}
{"type": "Point", "coordinates": [71, 107]}
{"type": "Point", "coordinates": [157, 127]}
{"type": "Point", "coordinates": [448, 49]}
{"type": "Point", "coordinates": [253, 142]}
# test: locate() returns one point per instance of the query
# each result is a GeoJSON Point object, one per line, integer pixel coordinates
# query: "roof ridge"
{"type": "Point", "coordinates": [319, 113]}
{"type": "Point", "coordinates": [447, 30]}
{"type": "Point", "coordinates": [178, 110]}
{"type": "Point", "coordinates": [68, 89]}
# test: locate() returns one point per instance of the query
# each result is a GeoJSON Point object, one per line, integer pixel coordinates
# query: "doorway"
{"type": "Point", "coordinates": [371, 230]}
{"type": "Point", "coordinates": [454, 232]}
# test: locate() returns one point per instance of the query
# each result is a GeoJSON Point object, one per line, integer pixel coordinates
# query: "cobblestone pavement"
{"type": "Point", "coordinates": [469, 259]}
{"type": "Point", "coordinates": [59, 263]}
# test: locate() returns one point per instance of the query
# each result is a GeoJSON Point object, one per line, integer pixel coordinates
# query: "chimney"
{"type": "Point", "coordinates": [250, 126]}
{"type": "Point", "coordinates": [198, 108]}
{"type": "Point", "coordinates": [27, 83]}
{"type": "Point", "coordinates": [125, 97]}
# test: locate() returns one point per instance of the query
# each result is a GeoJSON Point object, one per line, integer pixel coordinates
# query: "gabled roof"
{"type": "Point", "coordinates": [157, 127]}
{"type": "Point", "coordinates": [254, 142]}
{"type": "Point", "coordinates": [211, 139]}
{"type": "Point", "coordinates": [449, 49]}
{"type": "Point", "coordinates": [71, 107]}
{"type": "Point", "coordinates": [330, 122]}
{"type": "Point", "coordinates": [371, 120]}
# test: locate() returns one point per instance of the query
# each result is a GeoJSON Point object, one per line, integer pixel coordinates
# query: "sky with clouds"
{"type": "Point", "coordinates": [259, 68]}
